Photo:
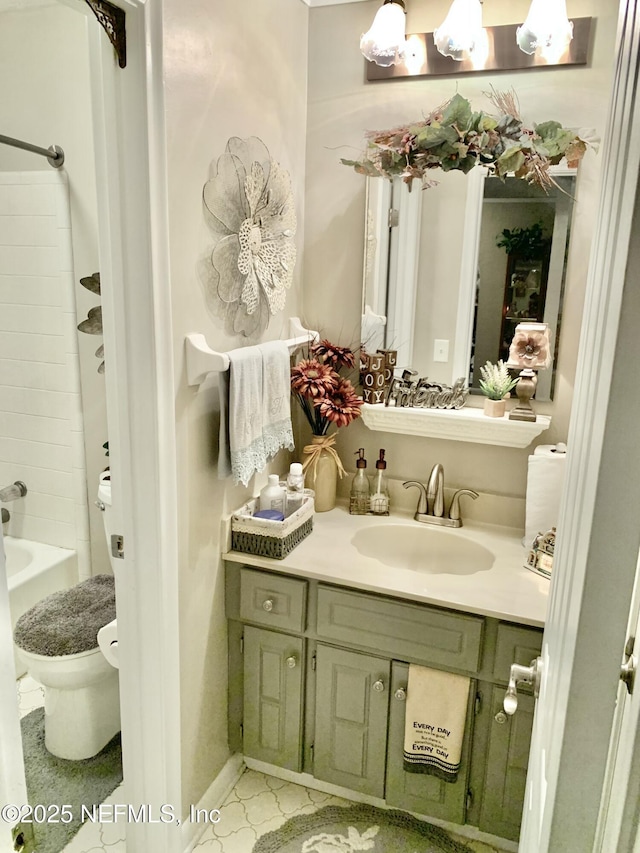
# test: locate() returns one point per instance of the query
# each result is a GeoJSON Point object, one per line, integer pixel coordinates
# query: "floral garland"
{"type": "Point", "coordinates": [455, 137]}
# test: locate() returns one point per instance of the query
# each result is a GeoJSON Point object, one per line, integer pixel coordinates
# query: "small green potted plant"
{"type": "Point", "coordinates": [495, 384]}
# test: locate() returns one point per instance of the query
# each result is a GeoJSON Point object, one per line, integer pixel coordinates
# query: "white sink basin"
{"type": "Point", "coordinates": [422, 548]}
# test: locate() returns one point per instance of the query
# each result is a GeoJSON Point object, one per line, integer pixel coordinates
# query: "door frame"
{"type": "Point", "coordinates": [129, 137]}
{"type": "Point", "coordinates": [595, 560]}
{"type": "Point", "coordinates": [129, 132]}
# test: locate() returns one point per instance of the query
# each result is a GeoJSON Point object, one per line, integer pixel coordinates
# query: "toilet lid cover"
{"type": "Point", "coordinates": [67, 622]}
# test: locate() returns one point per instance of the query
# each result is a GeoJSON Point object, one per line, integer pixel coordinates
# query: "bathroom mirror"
{"type": "Point", "coordinates": [450, 271]}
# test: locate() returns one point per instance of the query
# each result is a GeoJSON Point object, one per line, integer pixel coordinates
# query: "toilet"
{"type": "Point", "coordinates": [69, 644]}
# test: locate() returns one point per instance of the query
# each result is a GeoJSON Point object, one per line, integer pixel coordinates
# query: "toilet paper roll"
{"type": "Point", "coordinates": [545, 480]}
{"type": "Point", "coordinates": [108, 642]}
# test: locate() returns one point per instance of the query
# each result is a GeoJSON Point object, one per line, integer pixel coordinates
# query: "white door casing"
{"type": "Point", "coordinates": [598, 537]}
{"type": "Point", "coordinates": [129, 136]}
{"type": "Point", "coordinates": [133, 229]}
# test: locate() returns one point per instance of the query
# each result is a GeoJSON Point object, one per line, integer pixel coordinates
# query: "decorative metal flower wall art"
{"type": "Point", "coordinates": [249, 209]}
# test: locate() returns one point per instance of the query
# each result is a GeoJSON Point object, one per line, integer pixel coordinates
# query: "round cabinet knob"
{"type": "Point", "coordinates": [401, 694]}
{"type": "Point", "coordinates": [379, 686]}
{"type": "Point", "coordinates": [501, 718]}
{"type": "Point", "coordinates": [268, 605]}
{"type": "Point", "coordinates": [292, 662]}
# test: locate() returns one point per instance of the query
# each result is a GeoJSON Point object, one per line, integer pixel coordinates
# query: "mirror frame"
{"type": "Point", "coordinates": [400, 252]}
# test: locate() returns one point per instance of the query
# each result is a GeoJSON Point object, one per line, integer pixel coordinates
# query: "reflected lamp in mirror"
{"type": "Point", "coordinates": [529, 352]}
{"type": "Point", "coordinates": [386, 40]}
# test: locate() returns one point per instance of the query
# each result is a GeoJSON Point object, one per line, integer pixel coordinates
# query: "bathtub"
{"type": "Point", "coordinates": [34, 571]}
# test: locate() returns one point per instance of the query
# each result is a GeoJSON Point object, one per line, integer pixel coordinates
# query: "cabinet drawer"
{"type": "Point", "coordinates": [515, 645]}
{"type": "Point", "coordinates": [406, 631]}
{"type": "Point", "coordinates": [273, 600]}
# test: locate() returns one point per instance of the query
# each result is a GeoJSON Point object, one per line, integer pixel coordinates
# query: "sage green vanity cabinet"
{"type": "Point", "coordinates": [351, 719]}
{"type": "Point", "coordinates": [273, 679]}
{"type": "Point", "coordinates": [419, 792]}
{"type": "Point", "coordinates": [317, 684]}
{"type": "Point", "coordinates": [506, 766]}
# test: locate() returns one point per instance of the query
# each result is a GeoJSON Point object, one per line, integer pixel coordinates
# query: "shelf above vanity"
{"type": "Point", "coordinates": [456, 424]}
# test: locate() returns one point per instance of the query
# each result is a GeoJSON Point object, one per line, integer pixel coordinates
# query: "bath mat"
{"type": "Point", "coordinates": [56, 781]}
{"type": "Point", "coordinates": [335, 829]}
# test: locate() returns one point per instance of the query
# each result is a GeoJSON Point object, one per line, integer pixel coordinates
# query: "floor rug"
{"type": "Point", "coordinates": [335, 829]}
{"type": "Point", "coordinates": [56, 781]}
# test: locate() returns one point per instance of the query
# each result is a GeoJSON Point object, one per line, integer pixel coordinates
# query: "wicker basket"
{"type": "Point", "coordinates": [266, 538]}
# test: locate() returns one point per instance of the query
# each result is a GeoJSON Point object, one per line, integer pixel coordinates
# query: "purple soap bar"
{"type": "Point", "coordinates": [271, 514]}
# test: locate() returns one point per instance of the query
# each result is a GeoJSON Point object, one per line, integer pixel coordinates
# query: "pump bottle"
{"type": "Point", "coordinates": [379, 491]}
{"type": "Point", "coordinates": [359, 497]}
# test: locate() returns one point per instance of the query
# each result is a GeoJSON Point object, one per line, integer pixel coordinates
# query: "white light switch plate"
{"type": "Point", "coordinates": [441, 350]}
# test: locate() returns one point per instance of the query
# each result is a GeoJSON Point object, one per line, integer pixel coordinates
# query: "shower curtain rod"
{"type": "Point", "coordinates": [54, 154]}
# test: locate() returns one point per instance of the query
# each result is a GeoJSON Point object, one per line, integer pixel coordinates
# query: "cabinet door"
{"type": "Point", "coordinates": [272, 718]}
{"type": "Point", "coordinates": [352, 703]}
{"type": "Point", "coordinates": [506, 766]}
{"type": "Point", "coordinates": [419, 792]}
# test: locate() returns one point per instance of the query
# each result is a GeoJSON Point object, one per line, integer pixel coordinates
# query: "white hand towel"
{"type": "Point", "coordinates": [246, 442]}
{"type": "Point", "coordinates": [259, 416]}
{"type": "Point", "coordinates": [436, 713]}
{"type": "Point", "coordinates": [276, 397]}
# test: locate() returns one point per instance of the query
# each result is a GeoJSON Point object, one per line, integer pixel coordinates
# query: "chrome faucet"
{"type": "Point", "coordinates": [435, 491]}
{"type": "Point", "coordinates": [13, 492]}
{"type": "Point", "coordinates": [430, 508]}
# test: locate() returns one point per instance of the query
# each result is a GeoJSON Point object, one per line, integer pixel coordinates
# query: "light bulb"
{"type": "Point", "coordinates": [461, 29]}
{"type": "Point", "coordinates": [385, 42]}
{"type": "Point", "coordinates": [547, 29]}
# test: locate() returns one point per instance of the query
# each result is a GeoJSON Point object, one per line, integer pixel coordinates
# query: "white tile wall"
{"type": "Point", "coordinates": [41, 439]}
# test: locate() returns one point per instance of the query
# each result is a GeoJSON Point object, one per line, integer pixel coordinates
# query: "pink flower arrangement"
{"type": "Point", "coordinates": [325, 396]}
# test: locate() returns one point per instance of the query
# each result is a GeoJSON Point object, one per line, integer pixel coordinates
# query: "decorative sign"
{"type": "Point", "coordinates": [427, 395]}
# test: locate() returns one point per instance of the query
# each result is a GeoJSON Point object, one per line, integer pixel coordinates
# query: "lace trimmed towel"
{"type": "Point", "coordinates": [276, 397]}
{"type": "Point", "coordinates": [259, 411]}
{"type": "Point", "coordinates": [436, 711]}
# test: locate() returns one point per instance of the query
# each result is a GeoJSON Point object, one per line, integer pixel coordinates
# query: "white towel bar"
{"type": "Point", "coordinates": [202, 360]}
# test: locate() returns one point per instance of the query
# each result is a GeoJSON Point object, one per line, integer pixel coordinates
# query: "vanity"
{"type": "Point", "coordinates": [320, 645]}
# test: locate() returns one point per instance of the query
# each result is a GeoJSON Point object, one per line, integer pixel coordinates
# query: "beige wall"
{"type": "Point", "coordinates": [341, 107]}
{"type": "Point", "coordinates": [231, 69]}
{"type": "Point", "coordinates": [46, 100]}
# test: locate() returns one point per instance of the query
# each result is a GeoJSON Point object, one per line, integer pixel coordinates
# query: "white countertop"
{"type": "Point", "coordinates": [506, 590]}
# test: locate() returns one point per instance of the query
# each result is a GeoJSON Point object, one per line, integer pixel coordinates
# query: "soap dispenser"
{"type": "Point", "coordinates": [379, 492]}
{"type": "Point", "coordinates": [359, 497]}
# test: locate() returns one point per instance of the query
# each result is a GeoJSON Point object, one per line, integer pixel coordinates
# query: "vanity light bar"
{"type": "Point", "coordinates": [422, 58]}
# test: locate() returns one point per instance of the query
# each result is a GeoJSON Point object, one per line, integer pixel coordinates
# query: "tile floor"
{"type": "Point", "coordinates": [259, 804]}
{"type": "Point", "coordinates": [256, 805]}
